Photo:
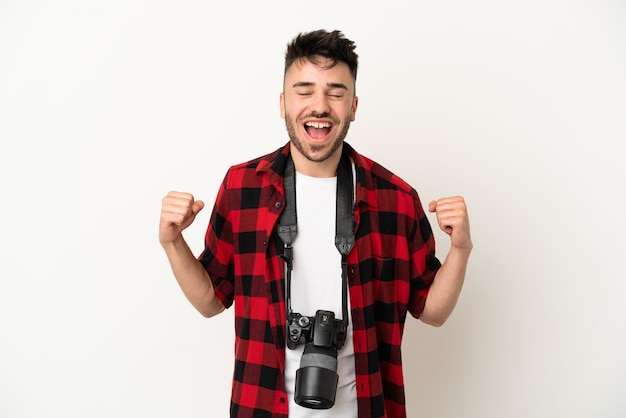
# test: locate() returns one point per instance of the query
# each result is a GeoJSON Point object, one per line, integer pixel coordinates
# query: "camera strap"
{"type": "Point", "coordinates": [344, 230]}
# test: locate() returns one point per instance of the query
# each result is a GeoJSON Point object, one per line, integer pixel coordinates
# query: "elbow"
{"type": "Point", "coordinates": [211, 308]}
{"type": "Point", "coordinates": [210, 312]}
{"type": "Point", "coordinates": [207, 314]}
{"type": "Point", "coordinates": [435, 318]}
{"type": "Point", "coordinates": [208, 304]}
{"type": "Point", "coordinates": [437, 313]}
{"type": "Point", "coordinates": [434, 322]}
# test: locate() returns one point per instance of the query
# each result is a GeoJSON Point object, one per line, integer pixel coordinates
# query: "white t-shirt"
{"type": "Point", "coordinates": [316, 284]}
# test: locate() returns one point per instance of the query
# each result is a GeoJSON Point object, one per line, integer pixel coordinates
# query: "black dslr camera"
{"type": "Point", "coordinates": [316, 379]}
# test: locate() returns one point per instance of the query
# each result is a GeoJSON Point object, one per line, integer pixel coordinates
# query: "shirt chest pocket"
{"type": "Point", "coordinates": [391, 281]}
{"type": "Point", "coordinates": [383, 268]}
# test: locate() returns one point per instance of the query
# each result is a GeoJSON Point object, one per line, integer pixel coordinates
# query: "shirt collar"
{"type": "Point", "coordinates": [274, 167]}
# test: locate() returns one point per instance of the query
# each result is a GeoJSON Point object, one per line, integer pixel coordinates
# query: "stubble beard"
{"type": "Point", "coordinates": [309, 151]}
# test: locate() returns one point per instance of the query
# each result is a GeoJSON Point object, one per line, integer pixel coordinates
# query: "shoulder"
{"type": "Point", "coordinates": [375, 176]}
{"type": "Point", "coordinates": [257, 162]}
{"type": "Point", "coordinates": [261, 169]}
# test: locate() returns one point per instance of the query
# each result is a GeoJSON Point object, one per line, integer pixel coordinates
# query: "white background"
{"type": "Point", "coordinates": [107, 105]}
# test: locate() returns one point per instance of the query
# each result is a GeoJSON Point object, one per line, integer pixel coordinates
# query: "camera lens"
{"type": "Point", "coordinates": [316, 379]}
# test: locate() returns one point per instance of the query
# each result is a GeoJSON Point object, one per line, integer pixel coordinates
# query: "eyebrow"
{"type": "Point", "coordinates": [311, 84]}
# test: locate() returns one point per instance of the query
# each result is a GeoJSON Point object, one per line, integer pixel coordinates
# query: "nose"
{"type": "Point", "coordinates": [320, 106]}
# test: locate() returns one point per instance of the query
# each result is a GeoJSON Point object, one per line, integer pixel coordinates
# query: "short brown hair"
{"type": "Point", "coordinates": [333, 45]}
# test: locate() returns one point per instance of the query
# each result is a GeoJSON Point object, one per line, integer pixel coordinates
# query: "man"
{"type": "Point", "coordinates": [390, 267]}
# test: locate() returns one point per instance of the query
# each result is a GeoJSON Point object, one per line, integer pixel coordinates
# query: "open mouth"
{"type": "Point", "coordinates": [318, 130]}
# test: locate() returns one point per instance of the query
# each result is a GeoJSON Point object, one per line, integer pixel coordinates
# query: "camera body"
{"type": "Point", "coordinates": [323, 330]}
{"type": "Point", "coordinates": [316, 379]}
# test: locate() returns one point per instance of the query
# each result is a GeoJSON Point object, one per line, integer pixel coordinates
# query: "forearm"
{"type": "Point", "coordinates": [446, 288]}
{"type": "Point", "coordinates": [192, 278]}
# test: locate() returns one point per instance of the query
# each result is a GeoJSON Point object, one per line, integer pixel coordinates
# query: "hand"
{"type": "Point", "coordinates": [178, 211]}
{"type": "Point", "coordinates": [453, 220]}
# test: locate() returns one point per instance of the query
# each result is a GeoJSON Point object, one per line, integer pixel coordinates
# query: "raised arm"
{"type": "Point", "coordinates": [178, 211]}
{"type": "Point", "coordinates": [442, 297]}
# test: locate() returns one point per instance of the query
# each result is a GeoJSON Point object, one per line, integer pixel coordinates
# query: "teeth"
{"type": "Point", "coordinates": [318, 124]}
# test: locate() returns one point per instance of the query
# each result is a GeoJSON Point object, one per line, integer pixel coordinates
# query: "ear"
{"type": "Point", "coordinates": [355, 103]}
{"type": "Point", "coordinates": [282, 105]}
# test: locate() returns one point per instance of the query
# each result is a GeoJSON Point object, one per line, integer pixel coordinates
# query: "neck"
{"type": "Point", "coordinates": [321, 169]}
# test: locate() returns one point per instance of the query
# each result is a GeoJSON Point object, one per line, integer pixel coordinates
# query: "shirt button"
{"type": "Point", "coordinates": [282, 400]}
{"type": "Point", "coordinates": [277, 204]}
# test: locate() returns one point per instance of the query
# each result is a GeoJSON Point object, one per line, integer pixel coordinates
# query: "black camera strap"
{"type": "Point", "coordinates": [344, 230]}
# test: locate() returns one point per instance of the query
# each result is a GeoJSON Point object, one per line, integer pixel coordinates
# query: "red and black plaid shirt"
{"type": "Point", "coordinates": [390, 270]}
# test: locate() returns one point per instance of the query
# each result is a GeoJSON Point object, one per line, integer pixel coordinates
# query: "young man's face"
{"type": "Point", "coordinates": [318, 103]}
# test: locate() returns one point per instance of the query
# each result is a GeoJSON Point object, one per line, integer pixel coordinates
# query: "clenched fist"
{"type": "Point", "coordinates": [178, 211]}
{"type": "Point", "coordinates": [453, 220]}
